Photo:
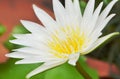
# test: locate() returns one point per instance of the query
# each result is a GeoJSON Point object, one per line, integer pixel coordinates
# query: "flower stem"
{"type": "Point", "coordinates": [82, 71]}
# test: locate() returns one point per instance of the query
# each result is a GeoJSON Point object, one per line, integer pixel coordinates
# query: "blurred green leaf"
{"type": "Point", "coordinates": [20, 29]}
{"type": "Point", "coordinates": [2, 29]}
{"type": "Point", "coordinates": [82, 5]}
{"type": "Point", "coordinates": [10, 70]}
{"type": "Point", "coordinates": [106, 2]}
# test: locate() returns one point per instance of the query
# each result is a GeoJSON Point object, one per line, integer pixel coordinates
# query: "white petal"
{"type": "Point", "coordinates": [45, 66]}
{"type": "Point", "coordinates": [31, 50]}
{"type": "Point", "coordinates": [70, 15]}
{"type": "Point", "coordinates": [97, 31]}
{"type": "Point", "coordinates": [47, 20]}
{"type": "Point", "coordinates": [59, 12]}
{"type": "Point", "coordinates": [29, 61]}
{"type": "Point", "coordinates": [105, 12]}
{"type": "Point", "coordinates": [32, 60]}
{"type": "Point", "coordinates": [69, 6]}
{"type": "Point", "coordinates": [99, 42]}
{"type": "Point", "coordinates": [77, 8]}
{"type": "Point", "coordinates": [104, 23]}
{"type": "Point", "coordinates": [19, 55]}
{"type": "Point", "coordinates": [29, 43]}
{"type": "Point", "coordinates": [107, 9]}
{"type": "Point", "coordinates": [18, 36]}
{"type": "Point", "coordinates": [28, 58]}
{"type": "Point", "coordinates": [87, 15]}
{"type": "Point", "coordinates": [33, 27]}
{"type": "Point", "coordinates": [73, 16]}
{"type": "Point", "coordinates": [94, 19]}
{"type": "Point", "coordinates": [89, 9]}
{"type": "Point", "coordinates": [27, 55]}
{"type": "Point", "coordinates": [34, 37]}
{"type": "Point", "coordinates": [73, 58]}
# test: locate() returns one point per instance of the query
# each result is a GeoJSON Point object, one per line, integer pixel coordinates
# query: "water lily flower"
{"type": "Point", "coordinates": [64, 39]}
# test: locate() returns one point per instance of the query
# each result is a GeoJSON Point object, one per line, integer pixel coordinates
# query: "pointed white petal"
{"type": "Point", "coordinates": [29, 43]}
{"type": "Point", "coordinates": [69, 6]}
{"type": "Point", "coordinates": [32, 60]}
{"type": "Point", "coordinates": [87, 15]}
{"type": "Point", "coordinates": [98, 30]}
{"type": "Point", "coordinates": [105, 12]}
{"type": "Point", "coordinates": [59, 12]}
{"type": "Point", "coordinates": [18, 36]}
{"type": "Point", "coordinates": [73, 16]}
{"type": "Point", "coordinates": [28, 55]}
{"type": "Point", "coordinates": [47, 20]}
{"type": "Point", "coordinates": [89, 10]}
{"type": "Point", "coordinates": [77, 8]}
{"type": "Point", "coordinates": [19, 55]}
{"type": "Point", "coordinates": [29, 61]}
{"type": "Point", "coordinates": [94, 19]}
{"type": "Point", "coordinates": [69, 12]}
{"type": "Point", "coordinates": [103, 24]}
{"type": "Point", "coordinates": [45, 66]}
{"type": "Point", "coordinates": [34, 37]}
{"type": "Point", "coordinates": [99, 42]}
{"type": "Point", "coordinates": [35, 51]}
{"type": "Point", "coordinates": [107, 9]}
{"type": "Point", "coordinates": [33, 27]}
{"type": "Point", "coordinates": [73, 58]}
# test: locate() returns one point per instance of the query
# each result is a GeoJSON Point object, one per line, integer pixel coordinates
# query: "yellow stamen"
{"type": "Point", "coordinates": [67, 41]}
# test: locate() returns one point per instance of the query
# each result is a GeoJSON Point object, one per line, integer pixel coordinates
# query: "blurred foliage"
{"type": "Point", "coordinates": [82, 5]}
{"type": "Point", "coordinates": [2, 29]}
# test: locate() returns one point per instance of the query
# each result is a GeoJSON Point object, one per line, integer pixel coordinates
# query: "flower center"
{"type": "Point", "coordinates": [66, 41]}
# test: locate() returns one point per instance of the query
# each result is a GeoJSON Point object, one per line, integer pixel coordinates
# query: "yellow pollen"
{"type": "Point", "coordinates": [66, 41]}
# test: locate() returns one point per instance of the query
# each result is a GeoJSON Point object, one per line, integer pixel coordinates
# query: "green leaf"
{"type": "Point", "coordinates": [10, 70]}
{"type": "Point", "coordinates": [67, 71]}
{"type": "Point", "coordinates": [64, 71]}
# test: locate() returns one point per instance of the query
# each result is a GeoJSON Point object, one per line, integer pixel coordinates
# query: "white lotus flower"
{"type": "Point", "coordinates": [64, 39]}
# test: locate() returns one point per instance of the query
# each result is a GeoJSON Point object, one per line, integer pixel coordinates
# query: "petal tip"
{"type": "Point", "coordinates": [11, 41]}
{"type": "Point", "coordinates": [21, 21]}
{"type": "Point", "coordinates": [35, 8]}
{"type": "Point", "coordinates": [29, 75]}
{"type": "Point", "coordinates": [71, 63]}
{"type": "Point", "coordinates": [7, 55]}
{"type": "Point", "coordinates": [18, 62]}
